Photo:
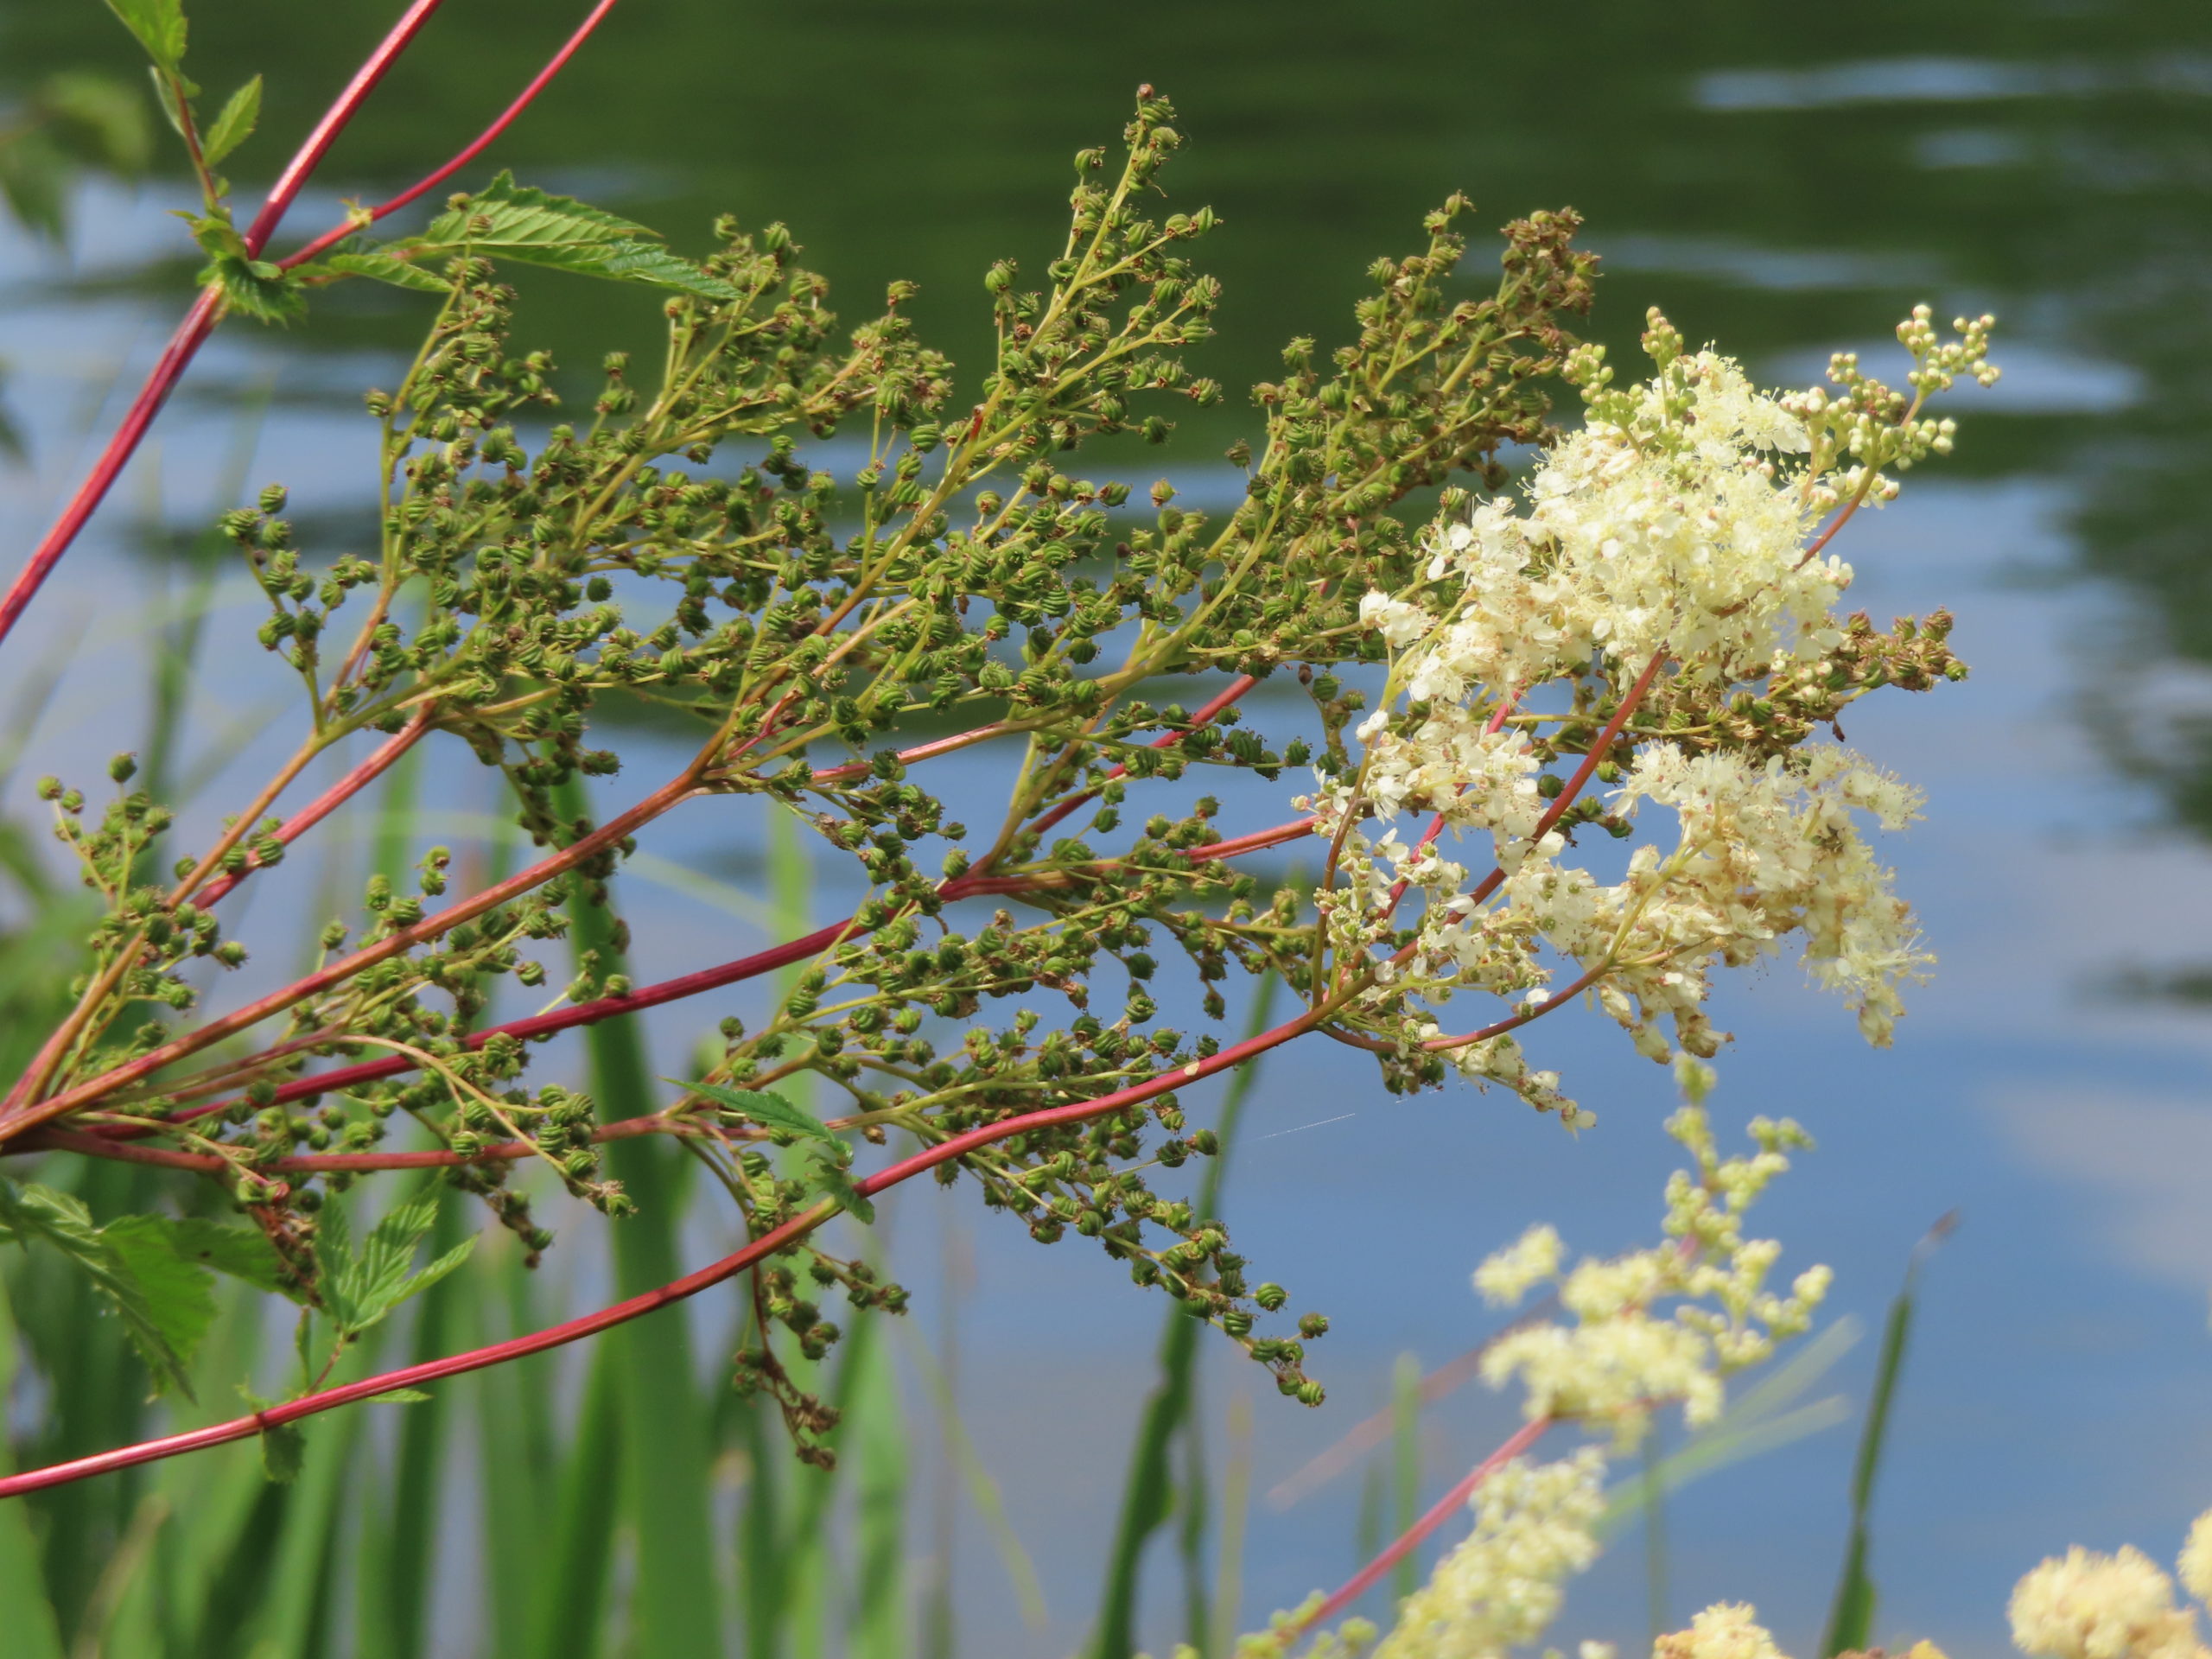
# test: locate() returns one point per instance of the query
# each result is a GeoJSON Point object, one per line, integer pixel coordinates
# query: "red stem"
{"type": "Point", "coordinates": [328, 802]}
{"type": "Point", "coordinates": [310, 155]}
{"type": "Point", "coordinates": [1446, 1508]}
{"type": "Point", "coordinates": [1495, 723]}
{"type": "Point", "coordinates": [706, 979]}
{"type": "Point", "coordinates": [652, 1301]}
{"type": "Point", "coordinates": [1512, 1022]}
{"type": "Point", "coordinates": [1584, 772]}
{"type": "Point", "coordinates": [97, 1146]}
{"type": "Point", "coordinates": [336, 973]}
{"type": "Point", "coordinates": [198, 322]}
{"type": "Point", "coordinates": [1236, 689]}
{"type": "Point", "coordinates": [337, 233]}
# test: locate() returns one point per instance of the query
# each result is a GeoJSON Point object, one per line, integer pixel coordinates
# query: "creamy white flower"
{"type": "Point", "coordinates": [2093, 1606]}
{"type": "Point", "coordinates": [1673, 528]}
{"type": "Point", "coordinates": [1505, 1278]}
{"type": "Point", "coordinates": [1725, 1630]}
{"type": "Point", "coordinates": [2195, 1563]}
{"type": "Point", "coordinates": [1502, 1586]}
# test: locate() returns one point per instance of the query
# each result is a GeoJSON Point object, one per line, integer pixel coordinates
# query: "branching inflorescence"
{"type": "Point", "coordinates": [1643, 627]}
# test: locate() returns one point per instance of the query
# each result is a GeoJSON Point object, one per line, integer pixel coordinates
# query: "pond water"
{"type": "Point", "coordinates": [1781, 181]}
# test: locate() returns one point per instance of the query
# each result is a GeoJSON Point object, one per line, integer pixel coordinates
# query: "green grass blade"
{"type": "Point", "coordinates": [1194, 1500]}
{"type": "Point", "coordinates": [292, 1618]}
{"type": "Point", "coordinates": [1235, 1515]}
{"type": "Point", "coordinates": [1851, 1620]}
{"type": "Point", "coordinates": [26, 1614]}
{"type": "Point", "coordinates": [98, 1389]}
{"type": "Point", "coordinates": [760, 1531]}
{"type": "Point", "coordinates": [667, 1456]}
{"type": "Point", "coordinates": [1148, 1494]}
{"type": "Point", "coordinates": [1764, 1417]}
{"type": "Point", "coordinates": [396, 1562]}
{"type": "Point", "coordinates": [581, 1564]}
{"type": "Point", "coordinates": [1651, 1499]}
{"type": "Point", "coordinates": [880, 1484]}
{"type": "Point", "coordinates": [984, 1491]}
{"type": "Point", "coordinates": [804, 1563]}
{"type": "Point", "coordinates": [517, 1460]}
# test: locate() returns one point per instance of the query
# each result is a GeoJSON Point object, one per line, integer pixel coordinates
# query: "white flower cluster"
{"type": "Point", "coordinates": [1662, 1325]}
{"type": "Point", "coordinates": [1731, 1630]}
{"type": "Point", "coordinates": [1671, 532]}
{"type": "Point", "coordinates": [1501, 1585]}
{"type": "Point", "coordinates": [2088, 1606]}
{"type": "Point", "coordinates": [1727, 1629]}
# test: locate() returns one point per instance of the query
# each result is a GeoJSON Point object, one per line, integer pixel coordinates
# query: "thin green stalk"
{"type": "Point", "coordinates": [1148, 1494]}
{"type": "Point", "coordinates": [582, 1554]}
{"type": "Point", "coordinates": [967, 1463]}
{"type": "Point", "coordinates": [1851, 1620]}
{"type": "Point", "coordinates": [879, 1445]}
{"type": "Point", "coordinates": [1191, 1536]}
{"type": "Point", "coordinates": [1236, 1514]}
{"type": "Point", "coordinates": [25, 1612]}
{"type": "Point", "coordinates": [397, 1570]}
{"type": "Point", "coordinates": [1654, 1501]}
{"type": "Point", "coordinates": [760, 1532]}
{"type": "Point", "coordinates": [666, 1456]}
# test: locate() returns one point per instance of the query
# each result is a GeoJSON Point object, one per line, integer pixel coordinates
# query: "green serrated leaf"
{"type": "Point", "coordinates": [153, 1293]}
{"type": "Point", "coordinates": [235, 124]}
{"type": "Point", "coordinates": [512, 221]}
{"type": "Point", "coordinates": [179, 1295]}
{"type": "Point", "coordinates": [523, 216]}
{"type": "Point", "coordinates": [360, 1290]}
{"type": "Point", "coordinates": [159, 26]}
{"type": "Point", "coordinates": [242, 1252]}
{"type": "Point", "coordinates": [283, 1449]}
{"type": "Point", "coordinates": [769, 1111]}
{"type": "Point", "coordinates": [217, 236]}
{"type": "Point", "coordinates": [837, 1182]}
{"type": "Point", "coordinates": [648, 262]}
{"type": "Point", "coordinates": [399, 1397]}
{"type": "Point", "coordinates": [383, 266]}
{"type": "Point", "coordinates": [257, 288]}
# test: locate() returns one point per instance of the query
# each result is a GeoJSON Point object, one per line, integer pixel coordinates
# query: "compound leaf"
{"type": "Point", "coordinates": [769, 1111]}
{"type": "Point", "coordinates": [235, 124]}
{"type": "Point", "coordinates": [159, 25]}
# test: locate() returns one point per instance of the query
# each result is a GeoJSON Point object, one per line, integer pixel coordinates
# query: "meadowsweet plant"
{"type": "Point", "coordinates": [1634, 638]}
{"type": "Point", "coordinates": [1649, 1329]}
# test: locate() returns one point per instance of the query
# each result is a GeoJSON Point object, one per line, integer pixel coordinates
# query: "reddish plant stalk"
{"type": "Point", "coordinates": [1495, 725]}
{"type": "Point", "coordinates": [329, 801]}
{"type": "Point", "coordinates": [1445, 1507]}
{"type": "Point", "coordinates": [729, 973]}
{"type": "Point", "coordinates": [310, 155]}
{"type": "Point", "coordinates": [1205, 716]}
{"type": "Point", "coordinates": [476, 147]}
{"type": "Point", "coordinates": [691, 1284]}
{"type": "Point", "coordinates": [1584, 772]}
{"type": "Point", "coordinates": [503, 1152]}
{"type": "Point", "coordinates": [200, 321]}
{"type": "Point", "coordinates": [692, 984]}
{"type": "Point", "coordinates": [1514, 1022]}
{"type": "Point", "coordinates": [27, 1116]}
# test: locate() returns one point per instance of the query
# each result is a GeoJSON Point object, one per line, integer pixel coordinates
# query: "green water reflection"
{"type": "Point", "coordinates": [1780, 177]}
